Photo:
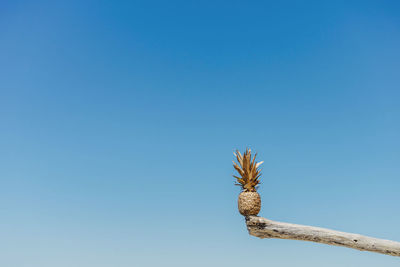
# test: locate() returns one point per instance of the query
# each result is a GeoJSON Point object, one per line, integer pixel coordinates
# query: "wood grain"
{"type": "Point", "coordinates": [264, 228]}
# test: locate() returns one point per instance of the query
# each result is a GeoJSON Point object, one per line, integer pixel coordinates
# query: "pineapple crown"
{"type": "Point", "coordinates": [248, 170]}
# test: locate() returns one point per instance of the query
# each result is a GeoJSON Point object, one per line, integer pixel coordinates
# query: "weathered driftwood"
{"type": "Point", "coordinates": [264, 228]}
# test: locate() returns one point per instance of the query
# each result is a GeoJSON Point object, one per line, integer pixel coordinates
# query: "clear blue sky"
{"type": "Point", "coordinates": [119, 119]}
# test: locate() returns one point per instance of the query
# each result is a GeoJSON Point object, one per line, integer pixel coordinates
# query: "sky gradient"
{"type": "Point", "coordinates": [118, 120]}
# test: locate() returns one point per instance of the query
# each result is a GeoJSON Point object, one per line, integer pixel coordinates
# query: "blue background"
{"type": "Point", "coordinates": [119, 119]}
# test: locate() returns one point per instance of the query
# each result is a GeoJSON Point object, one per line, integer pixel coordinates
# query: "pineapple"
{"type": "Point", "coordinates": [249, 202]}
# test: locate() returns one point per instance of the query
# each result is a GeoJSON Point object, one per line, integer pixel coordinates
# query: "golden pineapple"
{"type": "Point", "coordinates": [249, 202]}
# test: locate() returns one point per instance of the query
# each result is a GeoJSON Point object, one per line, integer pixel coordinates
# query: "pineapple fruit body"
{"type": "Point", "coordinates": [249, 203]}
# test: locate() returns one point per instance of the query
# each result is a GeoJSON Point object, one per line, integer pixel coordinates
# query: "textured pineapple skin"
{"type": "Point", "coordinates": [249, 203]}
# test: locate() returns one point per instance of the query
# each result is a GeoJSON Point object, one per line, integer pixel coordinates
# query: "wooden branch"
{"type": "Point", "coordinates": [264, 228]}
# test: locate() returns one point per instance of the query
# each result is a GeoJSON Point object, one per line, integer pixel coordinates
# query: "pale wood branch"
{"type": "Point", "coordinates": [264, 228]}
